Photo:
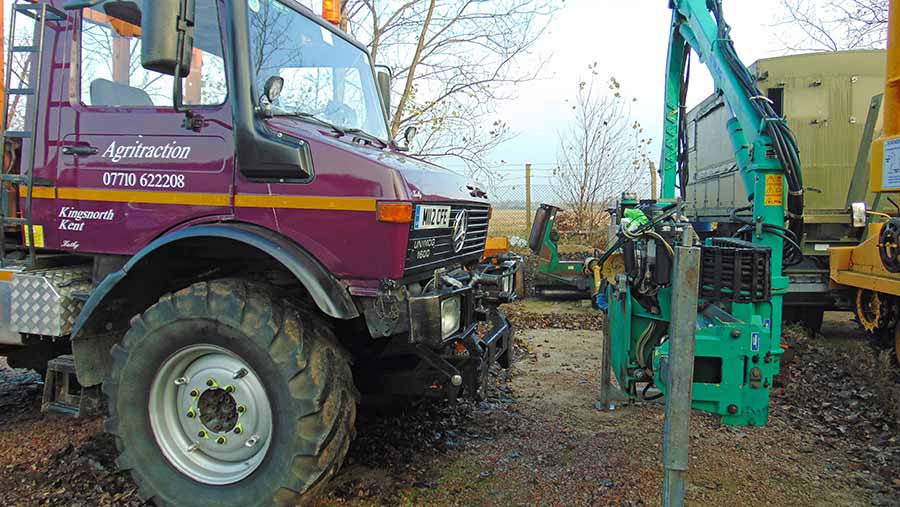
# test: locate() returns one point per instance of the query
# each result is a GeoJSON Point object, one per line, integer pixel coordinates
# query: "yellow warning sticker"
{"type": "Point", "coordinates": [38, 236]}
{"type": "Point", "coordinates": [774, 190]}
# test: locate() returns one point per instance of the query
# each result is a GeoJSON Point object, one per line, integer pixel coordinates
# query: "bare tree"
{"type": "Point", "coordinates": [453, 61]}
{"type": "Point", "coordinates": [603, 152]}
{"type": "Point", "coordinates": [835, 25]}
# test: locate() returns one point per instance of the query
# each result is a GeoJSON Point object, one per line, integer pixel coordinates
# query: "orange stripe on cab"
{"type": "Point", "coordinates": [305, 202]}
{"type": "Point", "coordinates": [366, 204]}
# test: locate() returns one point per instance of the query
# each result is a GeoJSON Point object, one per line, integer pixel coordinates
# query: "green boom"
{"type": "Point", "coordinates": [738, 348]}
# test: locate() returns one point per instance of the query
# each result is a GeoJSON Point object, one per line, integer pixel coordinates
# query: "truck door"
{"type": "Point", "coordinates": [128, 169]}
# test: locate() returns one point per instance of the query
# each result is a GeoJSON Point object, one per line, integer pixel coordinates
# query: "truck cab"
{"type": "Point", "coordinates": [212, 186]}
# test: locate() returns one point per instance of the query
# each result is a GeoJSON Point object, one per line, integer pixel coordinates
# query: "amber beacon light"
{"type": "Point", "coordinates": [331, 11]}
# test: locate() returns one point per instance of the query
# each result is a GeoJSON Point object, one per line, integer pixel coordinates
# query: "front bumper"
{"type": "Point", "coordinates": [448, 358]}
{"type": "Point", "coordinates": [462, 359]}
{"type": "Point", "coordinates": [493, 284]}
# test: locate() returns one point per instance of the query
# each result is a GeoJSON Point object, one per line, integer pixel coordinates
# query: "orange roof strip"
{"type": "Point", "coordinates": [122, 27]}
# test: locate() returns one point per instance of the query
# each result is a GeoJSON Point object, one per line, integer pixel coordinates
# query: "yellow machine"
{"type": "Point", "coordinates": [873, 267]}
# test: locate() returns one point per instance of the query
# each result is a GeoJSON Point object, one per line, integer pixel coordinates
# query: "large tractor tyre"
{"type": "Point", "coordinates": [224, 394]}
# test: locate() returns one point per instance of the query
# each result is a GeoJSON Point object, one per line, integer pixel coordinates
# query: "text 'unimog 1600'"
{"type": "Point", "coordinates": [236, 253]}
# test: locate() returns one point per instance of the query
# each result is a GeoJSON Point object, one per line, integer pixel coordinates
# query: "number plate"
{"type": "Point", "coordinates": [432, 217]}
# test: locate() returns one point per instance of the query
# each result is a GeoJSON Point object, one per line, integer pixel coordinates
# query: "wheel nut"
{"type": "Point", "coordinates": [238, 430]}
{"type": "Point", "coordinates": [210, 382]}
{"type": "Point", "coordinates": [241, 409]}
{"type": "Point", "coordinates": [221, 440]}
{"type": "Point", "coordinates": [229, 389]}
{"type": "Point", "coordinates": [202, 434]}
{"type": "Point", "coordinates": [194, 393]}
{"type": "Point", "coordinates": [191, 414]}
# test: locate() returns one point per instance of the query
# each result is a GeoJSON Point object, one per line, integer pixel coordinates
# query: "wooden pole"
{"type": "Point", "coordinates": [528, 215]}
{"type": "Point", "coordinates": [121, 59]}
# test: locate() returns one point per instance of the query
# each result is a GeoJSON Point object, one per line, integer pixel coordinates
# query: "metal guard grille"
{"type": "Point", "coordinates": [438, 243]}
{"type": "Point", "coordinates": [736, 271]}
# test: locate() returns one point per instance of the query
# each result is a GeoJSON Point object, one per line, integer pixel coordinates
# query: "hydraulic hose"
{"type": "Point", "coordinates": [784, 144]}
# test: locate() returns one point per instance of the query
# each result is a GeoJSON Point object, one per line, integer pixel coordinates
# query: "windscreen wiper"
{"type": "Point", "coordinates": [360, 133]}
{"type": "Point", "coordinates": [316, 119]}
{"type": "Point", "coordinates": [365, 135]}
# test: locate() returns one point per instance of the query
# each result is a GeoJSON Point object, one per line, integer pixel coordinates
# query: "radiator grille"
{"type": "Point", "coordinates": [431, 249]}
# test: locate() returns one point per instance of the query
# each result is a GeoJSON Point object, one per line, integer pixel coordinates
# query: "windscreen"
{"type": "Point", "coordinates": [325, 76]}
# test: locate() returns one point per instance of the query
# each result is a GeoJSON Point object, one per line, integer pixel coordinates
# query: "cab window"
{"type": "Point", "coordinates": [111, 71]}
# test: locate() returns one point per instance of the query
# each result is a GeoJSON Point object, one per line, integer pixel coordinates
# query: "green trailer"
{"type": "Point", "coordinates": [831, 102]}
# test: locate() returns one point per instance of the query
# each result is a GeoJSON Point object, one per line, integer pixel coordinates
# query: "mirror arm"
{"type": "Point", "coordinates": [264, 108]}
{"type": "Point", "coordinates": [192, 121]}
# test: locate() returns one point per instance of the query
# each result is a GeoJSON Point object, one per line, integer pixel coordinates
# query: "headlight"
{"type": "Point", "coordinates": [450, 310]}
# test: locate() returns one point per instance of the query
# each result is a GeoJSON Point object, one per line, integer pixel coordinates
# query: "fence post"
{"type": "Point", "coordinates": [528, 216]}
{"type": "Point", "coordinates": [680, 371]}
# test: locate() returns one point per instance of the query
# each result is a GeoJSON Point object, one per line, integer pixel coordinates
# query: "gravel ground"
{"type": "Point", "coordinates": [537, 440]}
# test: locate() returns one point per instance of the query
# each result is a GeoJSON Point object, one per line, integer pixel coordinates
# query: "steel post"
{"type": "Point", "coordinates": [606, 399]}
{"type": "Point", "coordinates": [679, 373]}
{"type": "Point", "coordinates": [609, 394]}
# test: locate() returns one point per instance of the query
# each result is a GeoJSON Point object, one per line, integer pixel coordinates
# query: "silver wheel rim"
{"type": "Point", "coordinates": [210, 415]}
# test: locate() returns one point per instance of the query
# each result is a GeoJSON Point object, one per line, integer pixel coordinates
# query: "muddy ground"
{"type": "Point", "coordinates": [539, 441]}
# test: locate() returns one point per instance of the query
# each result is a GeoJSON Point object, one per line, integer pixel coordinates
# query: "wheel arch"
{"type": "Point", "coordinates": [166, 265]}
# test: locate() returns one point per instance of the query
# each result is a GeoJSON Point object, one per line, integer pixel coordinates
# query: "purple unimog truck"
{"type": "Point", "coordinates": [235, 254]}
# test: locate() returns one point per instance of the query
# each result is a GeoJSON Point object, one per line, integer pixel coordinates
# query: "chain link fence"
{"type": "Point", "coordinates": [514, 208]}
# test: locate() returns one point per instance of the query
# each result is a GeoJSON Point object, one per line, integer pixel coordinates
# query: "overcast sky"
{"type": "Point", "coordinates": [629, 39]}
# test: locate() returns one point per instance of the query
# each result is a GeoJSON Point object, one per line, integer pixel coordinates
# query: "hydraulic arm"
{"type": "Point", "coordinates": [738, 338]}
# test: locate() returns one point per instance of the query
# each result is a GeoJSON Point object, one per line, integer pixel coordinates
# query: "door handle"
{"type": "Point", "coordinates": [80, 151]}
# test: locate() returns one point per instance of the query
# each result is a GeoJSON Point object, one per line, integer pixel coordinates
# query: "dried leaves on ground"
{"type": "Point", "coordinates": [537, 440]}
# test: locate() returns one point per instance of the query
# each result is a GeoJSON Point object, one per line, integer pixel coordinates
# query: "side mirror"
{"type": "Point", "coordinates": [385, 76]}
{"type": "Point", "coordinates": [273, 87]}
{"type": "Point", "coordinates": [858, 214]}
{"type": "Point", "coordinates": [167, 40]}
{"type": "Point", "coordinates": [410, 134]}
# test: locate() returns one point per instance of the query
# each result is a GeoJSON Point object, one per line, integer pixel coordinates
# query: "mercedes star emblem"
{"type": "Point", "coordinates": [460, 228]}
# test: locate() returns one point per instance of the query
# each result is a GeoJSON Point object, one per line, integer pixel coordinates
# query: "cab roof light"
{"type": "Point", "coordinates": [394, 212]}
{"type": "Point", "coordinates": [331, 11]}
